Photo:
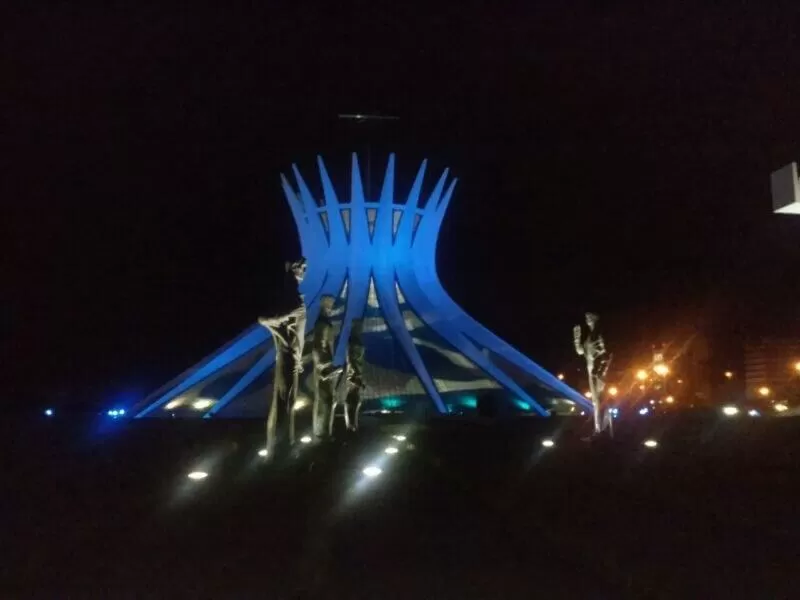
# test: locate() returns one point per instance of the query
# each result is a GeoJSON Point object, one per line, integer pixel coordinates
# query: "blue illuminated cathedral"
{"type": "Point", "coordinates": [377, 258]}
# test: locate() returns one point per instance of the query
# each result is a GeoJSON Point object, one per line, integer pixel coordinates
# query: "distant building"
{"type": "Point", "coordinates": [769, 362]}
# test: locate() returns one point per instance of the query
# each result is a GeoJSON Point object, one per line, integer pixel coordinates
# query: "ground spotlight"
{"type": "Point", "coordinates": [650, 444]}
{"type": "Point", "coordinates": [730, 411]}
{"type": "Point", "coordinates": [372, 471]}
{"type": "Point", "coordinates": [548, 443]}
{"type": "Point", "coordinates": [263, 452]}
{"type": "Point", "coordinates": [197, 475]}
{"type": "Point", "coordinates": [48, 412]}
{"type": "Point", "coordinates": [202, 403]}
{"type": "Point", "coordinates": [306, 439]}
{"type": "Point", "coordinates": [391, 450]}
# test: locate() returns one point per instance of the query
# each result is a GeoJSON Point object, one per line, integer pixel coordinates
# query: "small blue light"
{"type": "Point", "coordinates": [522, 405]}
{"type": "Point", "coordinates": [469, 402]}
{"type": "Point", "coordinates": [122, 411]}
{"type": "Point", "coordinates": [48, 412]}
{"type": "Point", "coordinates": [644, 411]}
{"type": "Point", "coordinates": [392, 402]}
{"type": "Point", "coordinates": [115, 412]}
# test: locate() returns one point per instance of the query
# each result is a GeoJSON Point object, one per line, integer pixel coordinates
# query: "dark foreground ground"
{"type": "Point", "coordinates": [465, 510]}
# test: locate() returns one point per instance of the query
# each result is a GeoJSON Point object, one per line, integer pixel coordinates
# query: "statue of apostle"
{"type": "Point", "coordinates": [326, 374]}
{"type": "Point", "coordinates": [288, 333]}
{"type": "Point", "coordinates": [593, 348]}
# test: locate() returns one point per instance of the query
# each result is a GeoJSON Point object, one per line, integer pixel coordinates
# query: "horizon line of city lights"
{"type": "Point", "coordinates": [660, 369]}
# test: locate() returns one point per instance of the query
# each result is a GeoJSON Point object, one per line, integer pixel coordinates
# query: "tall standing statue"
{"type": "Point", "coordinates": [354, 379]}
{"type": "Point", "coordinates": [593, 348]}
{"type": "Point", "coordinates": [325, 373]}
{"type": "Point", "coordinates": [288, 334]}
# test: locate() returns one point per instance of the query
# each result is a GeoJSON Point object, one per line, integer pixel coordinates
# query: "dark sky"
{"type": "Point", "coordinates": [610, 157]}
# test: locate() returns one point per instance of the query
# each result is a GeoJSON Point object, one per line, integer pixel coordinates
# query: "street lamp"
{"type": "Point", "coordinates": [613, 390]}
{"type": "Point", "coordinates": [797, 366]}
{"type": "Point", "coordinates": [728, 374]}
{"type": "Point", "coordinates": [641, 375]}
{"type": "Point", "coordinates": [561, 376]}
{"type": "Point", "coordinates": [661, 369]}
{"type": "Point", "coordinates": [764, 391]}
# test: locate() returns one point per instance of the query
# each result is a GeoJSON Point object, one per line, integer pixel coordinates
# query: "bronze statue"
{"type": "Point", "coordinates": [354, 379]}
{"type": "Point", "coordinates": [288, 334]}
{"type": "Point", "coordinates": [592, 346]}
{"type": "Point", "coordinates": [325, 373]}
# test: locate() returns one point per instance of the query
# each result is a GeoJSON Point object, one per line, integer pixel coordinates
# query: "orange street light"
{"type": "Point", "coordinates": [613, 390]}
{"type": "Point", "coordinates": [661, 369]}
{"type": "Point", "coordinates": [641, 375]}
{"type": "Point", "coordinates": [728, 374]}
{"type": "Point", "coordinates": [764, 391]}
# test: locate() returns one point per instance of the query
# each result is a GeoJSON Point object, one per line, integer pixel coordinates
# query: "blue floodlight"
{"type": "Point", "coordinates": [522, 405]}
{"type": "Point", "coordinates": [392, 403]}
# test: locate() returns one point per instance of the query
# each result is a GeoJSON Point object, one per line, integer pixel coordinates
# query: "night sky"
{"type": "Point", "coordinates": [609, 158]}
